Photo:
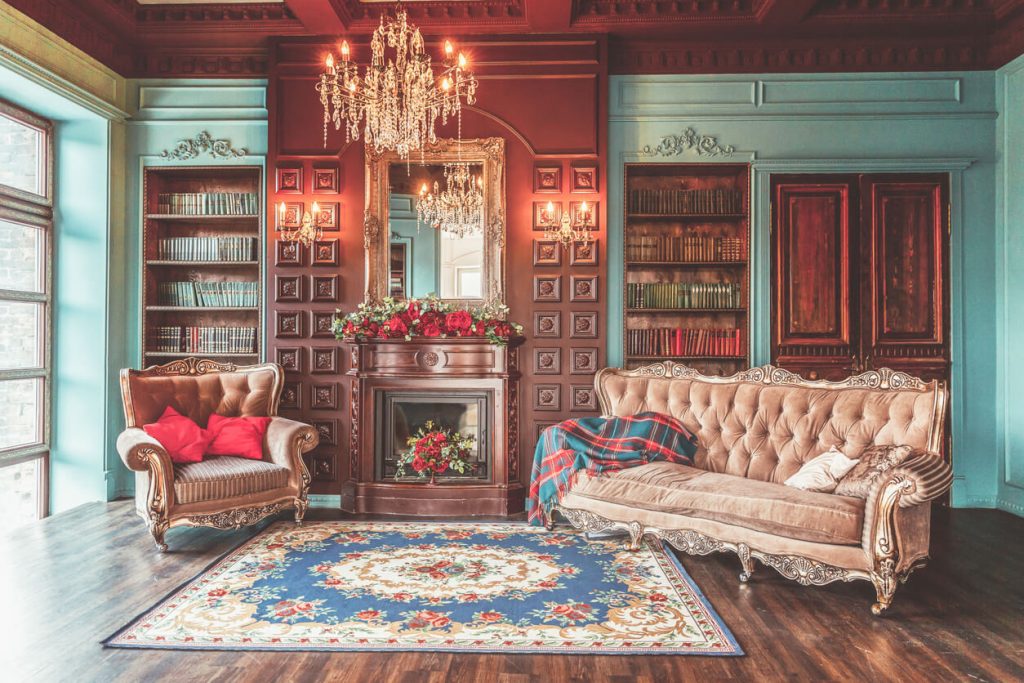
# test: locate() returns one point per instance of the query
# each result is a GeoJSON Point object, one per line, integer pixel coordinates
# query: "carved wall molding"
{"type": "Point", "coordinates": [203, 143]}
{"type": "Point", "coordinates": [689, 141]}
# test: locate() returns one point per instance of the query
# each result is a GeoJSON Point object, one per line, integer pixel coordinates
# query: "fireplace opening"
{"type": "Point", "coordinates": [401, 414]}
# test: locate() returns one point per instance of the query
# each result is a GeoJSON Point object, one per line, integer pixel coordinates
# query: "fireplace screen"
{"type": "Point", "coordinates": [401, 414]}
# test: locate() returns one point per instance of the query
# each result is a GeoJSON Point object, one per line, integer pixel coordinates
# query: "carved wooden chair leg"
{"type": "Point", "coordinates": [549, 520]}
{"type": "Point", "coordinates": [158, 528]}
{"type": "Point", "coordinates": [885, 588]}
{"type": "Point", "coordinates": [746, 561]}
{"type": "Point", "coordinates": [636, 535]}
{"type": "Point", "coordinates": [300, 510]}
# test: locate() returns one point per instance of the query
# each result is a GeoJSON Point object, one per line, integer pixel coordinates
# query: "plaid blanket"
{"type": "Point", "coordinates": [601, 444]}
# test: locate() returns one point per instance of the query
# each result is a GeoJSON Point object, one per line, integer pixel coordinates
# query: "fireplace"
{"type": "Point", "coordinates": [400, 414]}
{"type": "Point", "coordinates": [463, 383]}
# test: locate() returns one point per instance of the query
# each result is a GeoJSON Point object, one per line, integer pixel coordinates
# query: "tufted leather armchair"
{"type": "Point", "coordinates": [222, 491]}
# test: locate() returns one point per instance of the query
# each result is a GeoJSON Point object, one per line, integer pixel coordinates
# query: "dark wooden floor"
{"type": "Point", "coordinates": [73, 579]}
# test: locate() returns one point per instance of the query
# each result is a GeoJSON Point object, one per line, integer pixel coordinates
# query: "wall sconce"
{"type": "Point", "coordinates": [567, 230]}
{"type": "Point", "coordinates": [304, 231]}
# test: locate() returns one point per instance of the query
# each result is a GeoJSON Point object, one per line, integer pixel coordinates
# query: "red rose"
{"type": "Point", "coordinates": [480, 328]}
{"type": "Point", "coordinates": [397, 327]}
{"type": "Point", "coordinates": [458, 321]}
{"type": "Point", "coordinates": [431, 330]}
{"type": "Point", "coordinates": [413, 311]}
{"type": "Point", "coordinates": [384, 331]}
{"type": "Point", "coordinates": [440, 467]}
{"type": "Point", "coordinates": [419, 463]}
{"type": "Point", "coordinates": [372, 329]}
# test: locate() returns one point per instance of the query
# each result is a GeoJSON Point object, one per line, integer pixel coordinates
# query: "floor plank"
{"type": "Point", "coordinates": [75, 578]}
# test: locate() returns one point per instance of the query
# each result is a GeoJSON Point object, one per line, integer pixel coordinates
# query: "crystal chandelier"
{"type": "Point", "coordinates": [457, 210]}
{"type": "Point", "coordinates": [395, 105]}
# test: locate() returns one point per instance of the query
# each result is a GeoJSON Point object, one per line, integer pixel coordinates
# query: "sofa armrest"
{"type": "Point", "coordinates": [287, 440]}
{"type": "Point", "coordinates": [139, 450]}
{"type": "Point", "coordinates": [896, 524]}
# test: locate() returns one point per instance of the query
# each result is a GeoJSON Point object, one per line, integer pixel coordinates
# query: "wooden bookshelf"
{"type": "Point", "coordinates": [202, 272]}
{"type": "Point", "coordinates": [687, 234]}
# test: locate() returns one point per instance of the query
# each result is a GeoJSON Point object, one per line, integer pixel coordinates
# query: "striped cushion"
{"type": "Point", "coordinates": [225, 477]}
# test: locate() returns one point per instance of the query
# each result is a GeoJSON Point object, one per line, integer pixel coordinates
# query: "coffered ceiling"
{"type": "Point", "coordinates": [231, 37]}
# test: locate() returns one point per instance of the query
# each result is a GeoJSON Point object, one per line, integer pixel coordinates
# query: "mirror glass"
{"type": "Point", "coordinates": [422, 259]}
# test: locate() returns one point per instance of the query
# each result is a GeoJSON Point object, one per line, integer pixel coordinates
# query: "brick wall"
{"type": "Point", "coordinates": [19, 158]}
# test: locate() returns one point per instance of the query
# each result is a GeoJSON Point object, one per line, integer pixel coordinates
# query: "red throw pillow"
{"type": "Point", "coordinates": [183, 439]}
{"type": "Point", "coordinates": [241, 436]}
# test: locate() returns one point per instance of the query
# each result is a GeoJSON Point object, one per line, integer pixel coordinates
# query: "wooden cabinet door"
{"type": "Point", "coordinates": [814, 234]}
{"type": "Point", "coordinates": [904, 281]}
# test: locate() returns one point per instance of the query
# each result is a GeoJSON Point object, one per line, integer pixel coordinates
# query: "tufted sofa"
{"type": "Point", "coordinates": [755, 430]}
{"type": "Point", "coordinates": [220, 491]}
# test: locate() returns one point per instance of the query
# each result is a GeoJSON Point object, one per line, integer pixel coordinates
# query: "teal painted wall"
{"type": "Point", "coordinates": [796, 123]}
{"type": "Point", "coordinates": [1009, 254]}
{"type": "Point", "coordinates": [88, 290]}
{"type": "Point", "coordinates": [421, 246]}
{"type": "Point", "coordinates": [163, 112]}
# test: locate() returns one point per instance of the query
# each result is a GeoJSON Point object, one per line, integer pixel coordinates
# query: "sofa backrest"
{"type": "Point", "coordinates": [198, 388]}
{"type": "Point", "coordinates": [764, 423]}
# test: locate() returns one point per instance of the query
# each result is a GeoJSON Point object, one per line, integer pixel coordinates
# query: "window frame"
{"type": "Point", "coordinates": [35, 211]}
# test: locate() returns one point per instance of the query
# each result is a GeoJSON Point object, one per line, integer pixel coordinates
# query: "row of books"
{"type": "Point", "coordinates": [671, 202]}
{"type": "Point", "coordinates": [175, 338]}
{"type": "Point", "coordinates": [206, 294]}
{"type": "Point", "coordinates": [682, 249]}
{"type": "Point", "coordinates": [684, 295]}
{"type": "Point", "coordinates": [666, 341]}
{"type": "Point", "coordinates": [208, 203]}
{"type": "Point", "coordinates": [207, 249]}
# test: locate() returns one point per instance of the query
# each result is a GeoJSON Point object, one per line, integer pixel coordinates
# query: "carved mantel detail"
{"type": "Point", "coordinates": [203, 143]}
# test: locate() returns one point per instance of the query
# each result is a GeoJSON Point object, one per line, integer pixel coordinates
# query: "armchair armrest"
{"type": "Point", "coordinates": [920, 478]}
{"type": "Point", "coordinates": [287, 440]}
{"type": "Point", "coordinates": [138, 450]}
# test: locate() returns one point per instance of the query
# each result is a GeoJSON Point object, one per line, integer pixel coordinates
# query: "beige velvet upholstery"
{"type": "Point", "coordinates": [222, 491]}
{"type": "Point", "coordinates": [755, 430]}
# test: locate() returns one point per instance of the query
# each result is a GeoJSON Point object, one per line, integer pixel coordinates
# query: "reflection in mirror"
{"type": "Point", "coordinates": [424, 260]}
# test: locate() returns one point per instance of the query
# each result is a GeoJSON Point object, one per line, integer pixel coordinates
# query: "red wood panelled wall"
{"type": "Point", "coordinates": [547, 99]}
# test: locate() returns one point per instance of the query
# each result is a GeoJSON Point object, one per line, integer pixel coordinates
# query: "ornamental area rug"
{"type": "Point", "coordinates": [377, 586]}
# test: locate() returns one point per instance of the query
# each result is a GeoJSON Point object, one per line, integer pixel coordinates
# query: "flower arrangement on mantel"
{"type": "Point", "coordinates": [435, 450]}
{"type": "Point", "coordinates": [427, 317]}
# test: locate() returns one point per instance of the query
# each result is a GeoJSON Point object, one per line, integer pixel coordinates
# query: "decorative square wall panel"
{"type": "Point", "coordinates": [326, 252]}
{"type": "Point", "coordinates": [323, 324]}
{"type": "Point", "coordinates": [328, 431]}
{"type": "Point", "coordinates": [292, 214]}
{"type": "Point", "coordinates": [547, 397]}
{"type": "Point", "coordinates": [288, 288]}
{"type": "Point", "coordinates": [539, 428]}
{"type": "Point", "coordinates": [321, 467]}
{"type": "Point", "coordinates": [289, 358]}
{"type": "Point", "coordinates": [546, 253]}
{"type": "Point", "coordinates": [288, 324]}
{"type": "Point", "coordinates": [583, 360]}
{"type": "Point", "coordinates": [584, 179]}
{"type": "Point", "coordinates": [325, 396]}
{"type": "Point", "coordinates": [291, 396]}
{"type": "Point", "coordinates": [547, 361]}
{"type": "Point", "coordinates": [592, 207]}
{"type": "Point", "coordinates": [326, 180]}
{"type": "Point", "coordinates": [538, 214]}
{"type": "Point", "coordinates": [324, 361]}
{"type": "Point", "coordinates": [582, 397]}
{"type": "Point", "coordinates": [583, 288]}
{"type": "Point", "coordinates": [328, 218]}
{"type": "Point", "coordinates": [325, 288]}
{"type": "Point", "coordinates": [583, 324]}
{"type": "Point", "coordinates": [547, 324]}
{"type": "Point", "coordinates": [583, 253]}
{"type": "Point", "coordinates": [289, 180]}
{"type": "Point", "coordinates": [287, 254]}
{"type": "Point", "coordinates": [547, 178]}
{"type": "Point", "coordinates": [547, 288]}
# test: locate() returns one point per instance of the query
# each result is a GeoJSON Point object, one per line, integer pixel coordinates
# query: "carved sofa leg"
{"type": "Point", "coordinates": [636, 535]}
{"type": "Point", "coordinates": [300, 510]}
{"type": "Point", "coordinates": [549, 520]}
{"type": "Point", "coordinates": [158, 528]}
{"type": "Point", "coordinates": [746, 561]}
{"type": "Point", "coordinates": [885, 588]}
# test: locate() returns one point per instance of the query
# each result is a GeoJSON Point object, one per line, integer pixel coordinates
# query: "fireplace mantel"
{"type": "Point", "coordinates": [445, 367]}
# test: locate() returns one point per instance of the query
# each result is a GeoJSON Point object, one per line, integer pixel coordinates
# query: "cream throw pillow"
{"type": "Point", "coordinates": [823, 473]}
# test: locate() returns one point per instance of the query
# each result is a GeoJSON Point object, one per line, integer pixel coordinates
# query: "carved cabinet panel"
{"type": "Point", "coordinates": [859, 274]}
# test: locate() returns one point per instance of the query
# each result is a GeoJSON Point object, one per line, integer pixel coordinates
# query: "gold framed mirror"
{"type": "Point", "coordinates": [407, 258]}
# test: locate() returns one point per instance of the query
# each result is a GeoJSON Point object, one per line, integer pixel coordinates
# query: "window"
{"type": "Point", "coordinates": [26, 225]}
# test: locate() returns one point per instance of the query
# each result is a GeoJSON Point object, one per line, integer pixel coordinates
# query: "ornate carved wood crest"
{"type": "Point", "coordinates": [689, 141]}
{"type": "Point", "coordinates": [204, 143]}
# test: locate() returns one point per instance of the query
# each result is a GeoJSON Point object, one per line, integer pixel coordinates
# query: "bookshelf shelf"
{"type": "Point", "coordinates": [687, 242]}
{"type": "Point", "coordinates": [171, 262]}
{"type": "Point", "coordinates": [223, 253]}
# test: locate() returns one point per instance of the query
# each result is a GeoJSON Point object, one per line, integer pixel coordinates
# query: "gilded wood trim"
{"type": "Point", "coordinates": [490, 153]}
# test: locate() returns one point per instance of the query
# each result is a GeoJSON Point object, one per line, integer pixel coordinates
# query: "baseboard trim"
{"type": "Point", "coordinates": [1012, 508]}
{"type": "Point", "coordinates": [319, 500]}
{"type": "Point", "coordinates": [977, 502]}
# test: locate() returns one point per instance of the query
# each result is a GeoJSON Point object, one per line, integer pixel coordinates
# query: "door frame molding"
{"type": "Point", "coordinates": [761, 254]}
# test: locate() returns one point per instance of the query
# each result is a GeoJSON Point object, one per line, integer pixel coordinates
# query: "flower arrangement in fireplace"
{"type": "Point", "coordinates": [425, 317]}
{"type": "Point", "coordinates": [435, 450]}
